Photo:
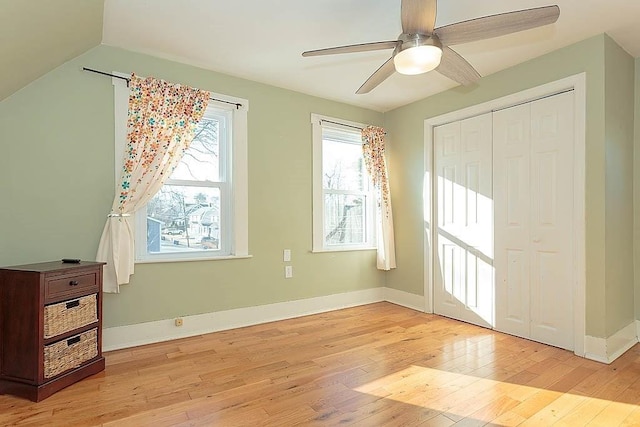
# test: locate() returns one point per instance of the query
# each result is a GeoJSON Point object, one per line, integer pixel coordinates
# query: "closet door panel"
{"type": "Point", "coordinates": [551, 220]}
{"type": "Point", "coordinates": [476, 239]}
{"type": "Point", "coordinates": [450, 265]}
{"type": "Point", "coordinates": [511, 140]}
{"type": "Point", "coordinates": [463, 281]}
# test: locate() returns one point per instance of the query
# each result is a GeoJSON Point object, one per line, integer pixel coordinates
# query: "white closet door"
{"type": "Point", "coordinates": [464, 286]}
{"type": "Point", "coordinates": [449, 274]}
{"type": "Point", "coordinates": [551, 225]}
{"type": "Point", "coordinates": [511, 188]}
{"type": "Point", "coordinates": [533, 191]}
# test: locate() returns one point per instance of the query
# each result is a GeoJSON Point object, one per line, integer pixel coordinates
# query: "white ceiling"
{"type": "Point", "coordinates": [263, 40]}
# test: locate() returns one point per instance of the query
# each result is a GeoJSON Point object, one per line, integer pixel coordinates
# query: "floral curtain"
{"type": "Point", "coordinates": [373, 150]}
{"type": "Point", "coordinates": [161, 121]}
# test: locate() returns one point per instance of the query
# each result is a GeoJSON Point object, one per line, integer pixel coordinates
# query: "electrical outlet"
{"type": "Point", "coordinates": [286, 255]}
{"type": "Point", "coordinates": [288, 272]}
{"type": "Point", "coordinates": [179, 321]}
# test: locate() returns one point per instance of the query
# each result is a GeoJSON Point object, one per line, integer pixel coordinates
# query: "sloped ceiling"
{"type": "Point", "coordinates": [39, 35]}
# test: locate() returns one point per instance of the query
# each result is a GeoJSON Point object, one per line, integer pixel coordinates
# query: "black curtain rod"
{"type": "Point", "coordinates": [128, 80]}
{"type": "Point", "coordinates": [343, 124]}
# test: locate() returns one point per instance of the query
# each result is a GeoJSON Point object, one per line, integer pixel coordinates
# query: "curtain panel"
{"type": "Point", "coordinates": [373, 148]}
{"type": "Point", "coordinates": [161, 121]}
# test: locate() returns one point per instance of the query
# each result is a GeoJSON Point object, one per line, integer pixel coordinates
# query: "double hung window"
{"type": "Point", "coordinates": [344, 203]}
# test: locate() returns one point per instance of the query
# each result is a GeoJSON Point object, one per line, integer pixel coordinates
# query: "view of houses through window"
{"type": "Point", "coordinates": [183, 218]}
{"type": "Point", "coordinates": [188, 213]}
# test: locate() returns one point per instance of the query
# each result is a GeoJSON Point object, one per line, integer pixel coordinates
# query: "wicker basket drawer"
{"type": "Point", "coordinates": [69, 315]}
{"type": "Point", "coordinates": [70, 353]}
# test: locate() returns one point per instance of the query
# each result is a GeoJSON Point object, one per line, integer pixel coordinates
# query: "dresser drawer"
{"type": "Point", "coordinates": [69, 315]}
{"type": "Point", "coordinates": [70, 353]}
{"type": "Point", "coordinates": [69, 286]}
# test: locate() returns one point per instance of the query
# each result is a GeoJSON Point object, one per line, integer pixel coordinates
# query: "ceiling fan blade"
{"type": "Point", "coordinates": [418, 16]}
{"type": "Point", "coordinates": [497, 25]}
{"type": "Point", "coordinates": [363, 47]}
{"type": "Point", "coordinates": [378, 77]}
{"type": "Point", "coordinates": [457, 68]}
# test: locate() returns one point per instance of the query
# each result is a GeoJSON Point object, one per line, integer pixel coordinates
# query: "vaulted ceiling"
{"type": "Point", "coordinates": [38, 36]}
{"type": "Point", "coordinates": [263, 40]}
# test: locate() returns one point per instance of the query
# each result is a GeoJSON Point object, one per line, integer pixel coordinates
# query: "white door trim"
{"type": "Point", "coordinates": [577, 83]}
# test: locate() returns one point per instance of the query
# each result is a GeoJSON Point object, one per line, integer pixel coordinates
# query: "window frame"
{"type": "Point", "coordinates": [318, 123]}
{"type": "Point", "coordinates": [235, 245]}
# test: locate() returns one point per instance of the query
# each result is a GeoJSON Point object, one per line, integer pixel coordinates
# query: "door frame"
{"type": "Point", "coordinates": [577, 83]}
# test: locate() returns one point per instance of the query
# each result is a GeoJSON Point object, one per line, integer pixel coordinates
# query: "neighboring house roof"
{"type": "Point", "coordinates": [205, 215]}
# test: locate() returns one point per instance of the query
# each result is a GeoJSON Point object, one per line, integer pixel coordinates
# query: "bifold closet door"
{"type": "Point", "coordinates": [533, 195]}
{"type": "Point", "coordinates": [464, 281]}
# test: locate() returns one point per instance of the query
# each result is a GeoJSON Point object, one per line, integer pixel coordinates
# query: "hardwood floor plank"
{"type": "Point", "coordinates": [582, 414]}
{"type": "Point", "coordinates": [493, 410]}
{"type": "Point", "coordinates": [633, 419]}
{"type": "Point", "coordinates": [612, 415]}
{"type": "Point", "coordinates": [507, 419]}
{"type": "Point", "coordinates": [154, 418]}
{"type": "Point", "coordinates": [554, 411]}
{"type": "Point", "coordinates": [439, 421]}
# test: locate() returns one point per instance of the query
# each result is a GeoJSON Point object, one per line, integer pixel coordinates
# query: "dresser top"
{"type": "Point", "coordinates": [45, 267]}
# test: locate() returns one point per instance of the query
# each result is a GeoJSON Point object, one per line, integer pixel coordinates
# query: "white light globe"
{"type": "Point", "coordinates": [418, 59]}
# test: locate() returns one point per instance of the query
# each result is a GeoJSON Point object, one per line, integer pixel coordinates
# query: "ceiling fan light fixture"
{"type": "Point", "coordinates": [417, 54]}
{"type": "Point", "coordinates": [417, 59]}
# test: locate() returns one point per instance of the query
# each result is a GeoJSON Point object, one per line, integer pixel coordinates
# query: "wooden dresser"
{"type": "Point", "coordinates": [50, 327]}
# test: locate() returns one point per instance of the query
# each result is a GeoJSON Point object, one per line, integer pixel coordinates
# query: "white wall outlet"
{"type": "Point", "coordinates": [179, 321]}
{"type": "Point", "coordinates": [288, 271]}
{"type": "Point", "coordinates": [286, 255]}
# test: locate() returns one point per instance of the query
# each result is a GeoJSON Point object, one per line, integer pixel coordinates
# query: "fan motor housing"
{"type": "Point", "coordinates": [408, 41]}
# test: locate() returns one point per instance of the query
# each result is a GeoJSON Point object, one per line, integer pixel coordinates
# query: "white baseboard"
{"type": "Point", "coordinates": [606, 350]}
{"type": "Point", "coordinates": [164, 330]}
{"type": "Point", "coordinates": [621, 341]}
{"type": "Point", "coordinates": [405, 299]}
{"type": "Point", "coordinates": [596, 349]}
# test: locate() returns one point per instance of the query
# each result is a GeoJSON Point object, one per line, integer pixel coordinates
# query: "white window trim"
{"type": "Point", "coordinates": [239, 217]}
{"type": "Point", "coordinates": [318, 245]}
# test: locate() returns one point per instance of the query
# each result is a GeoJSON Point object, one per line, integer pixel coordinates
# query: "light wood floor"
{"type": "Point", "coordinates": [375, 365]}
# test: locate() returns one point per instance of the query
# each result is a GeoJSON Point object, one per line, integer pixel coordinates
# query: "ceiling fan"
{"type": "Point", "coordinates": [421, 47]}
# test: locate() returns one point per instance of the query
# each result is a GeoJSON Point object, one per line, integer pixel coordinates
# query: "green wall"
{"type": "Point", "coordinates": [619, 128]}
{"type": "Point", "coordinates": [406, 136]}
{"type": "Point", "coordinates": [57, 168]}
{"type": "Point", "coordinates": [636, 191]}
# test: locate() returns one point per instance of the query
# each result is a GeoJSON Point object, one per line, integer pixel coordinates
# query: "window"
{"type": "Point", "coordinates": [201, 210]}
{"type": "Point", "coordinates": [343, 200]}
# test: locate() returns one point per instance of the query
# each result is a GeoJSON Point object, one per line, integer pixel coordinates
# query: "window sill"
{"type": "Point", "coordinates": [322, 251]}
{"type": "Point", "coordinates": [217, 258]}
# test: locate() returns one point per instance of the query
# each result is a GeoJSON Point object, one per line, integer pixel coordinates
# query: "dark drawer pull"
{"type": "Point", "coordinates": [73, 283]}
{"type": "Point", "coordinates": [72, 341]}
{"type": "Point", "coordinates": [72, 304]}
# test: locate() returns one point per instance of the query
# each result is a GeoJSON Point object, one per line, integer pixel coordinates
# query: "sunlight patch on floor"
{"type": "Point", "coordinates": [460, 396]}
